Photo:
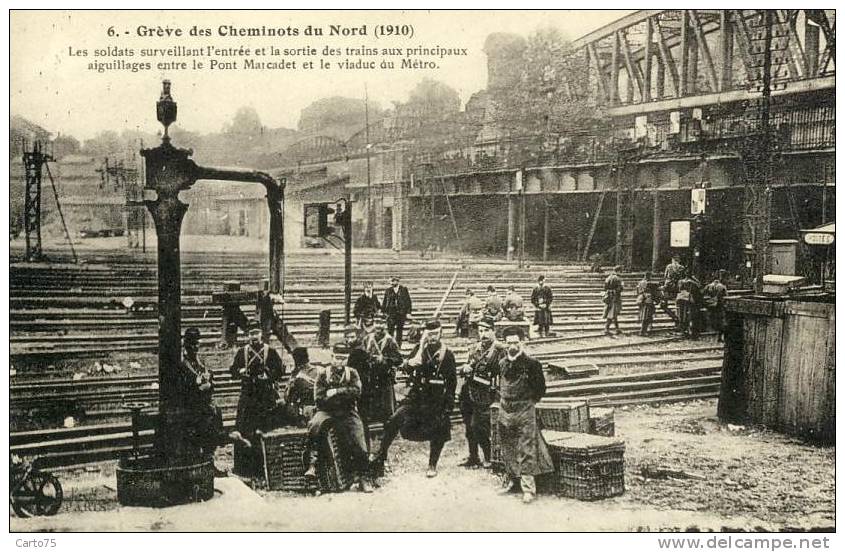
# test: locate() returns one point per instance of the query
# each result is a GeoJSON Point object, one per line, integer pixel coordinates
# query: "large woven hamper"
{"type": "Point", "coordinates": [589, 467]}
{"type": "Point", "coordinates": [283, 451]}
{"type": "Point", "coordinates": [564, 416]}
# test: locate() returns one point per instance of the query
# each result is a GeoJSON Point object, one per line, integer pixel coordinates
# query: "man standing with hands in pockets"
{"type": "Point", "coordinates": [521, 386]}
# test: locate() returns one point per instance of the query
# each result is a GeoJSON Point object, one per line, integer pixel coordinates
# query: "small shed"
{"type": "Point", "coordinates": [779, 368]}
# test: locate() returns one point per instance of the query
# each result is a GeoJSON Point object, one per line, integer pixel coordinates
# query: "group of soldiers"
{"type": "Point", "coordinates": [358, 385]}
{"type": "Point", "coordinates": [494, 308]}
{"type": "Point", "coordinates": [696, 306]}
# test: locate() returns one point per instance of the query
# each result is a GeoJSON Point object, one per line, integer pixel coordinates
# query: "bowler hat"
{"type": "Point", "coordinates": [192, 335]}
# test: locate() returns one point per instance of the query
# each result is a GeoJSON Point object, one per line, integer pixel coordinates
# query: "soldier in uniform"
{"type": "Point", "coordinates": [367, 305]}
{"type": "Point", "coordinates": [714, 299]}
{"type": "Point", "coordinates": [522, 385]}
{"type": "Point", "coordinates": [260, 370]}
{"type": "Point", "coordinates": [672, 276]}
{"type": "Point", "coordinates": [687, 305]}
{"type": "Point", "coordinates": [299, 393]}
{"type": "Point", "coordinates": [384, 357]}
{"type": "Point", "coordinates": [512, 306]}
{"type": "Point", "coordinates": [612, 299]}
{"type": "Point", "coordinates": [424, 414]}
{"type": "Point", "coordinates": [360, 361]}
{"type": "Point", "coordinates": [196, 387]}
{"type": "Point", "coordinates": [471, 313]}
{"type": "Point", "coordinates": [336, 394]}
{"type": "Point", "coordinates": [493, 305]}
{"type": "Point", "coordinates": [648, 297]}
{"type": "Point", "coordinates": [542, 298]}
{"type": "Point", "coordinates": [481, 369]}
{"type": "Point", "coordinates": [397, 306]}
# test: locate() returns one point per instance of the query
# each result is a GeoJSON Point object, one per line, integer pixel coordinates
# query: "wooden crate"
{"type": "Point", "coordinates": [602, 422]}
{"type": "Point", "coordinates": [284, 460]}
{"type": "Point", "coordinates": [589, 467]}
{"type": "Point", "coordinates": [564, 416]}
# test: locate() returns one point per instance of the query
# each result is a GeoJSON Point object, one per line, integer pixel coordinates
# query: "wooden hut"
{"type": "Point", "coordinates": [779, 365]}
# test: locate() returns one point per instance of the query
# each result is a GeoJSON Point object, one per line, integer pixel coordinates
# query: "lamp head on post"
{"type": "Point", "coordinates": [165, 109]}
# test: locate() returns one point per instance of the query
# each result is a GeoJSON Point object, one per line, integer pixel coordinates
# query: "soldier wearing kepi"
{"type": "Point", "coordinates": [542, 298]}
{"type": "Point", "coordinates": [360, 361]}
{"type": "Point", "coordinates": [196, 387]}
{"type": "Point", "coordinates": [522, 385]}
{"type": "Point", "coordinates": [336, 394]}
{"type": "Point", "coordinates": [612, 300]}
{"type": "Point", "coordinates": [260, 370]}
{"type": "Point", "coordinates": [378, 400]}
{"type": "Point", "coordinates": [477, 392]}
{"type": "Point", "coordinates": [424, 414]}
{"type": "Point", "coordinates": [714, 295]}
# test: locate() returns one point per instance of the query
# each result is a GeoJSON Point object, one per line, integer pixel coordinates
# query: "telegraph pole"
{"type": "Point", "coordinates": [369, 183]}
{"type": "Point", "coordinates": [759, 185]}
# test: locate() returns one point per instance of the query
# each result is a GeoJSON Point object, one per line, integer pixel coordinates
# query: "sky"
{"type": "Point", "coordinates": [56, 90]}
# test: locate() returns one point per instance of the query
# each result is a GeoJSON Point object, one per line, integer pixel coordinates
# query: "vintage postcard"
{"type": "Point", "coordinates": [423, 271]}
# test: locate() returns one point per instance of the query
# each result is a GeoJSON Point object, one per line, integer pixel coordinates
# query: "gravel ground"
{"type": "Point", "coordinates": [752, 479]}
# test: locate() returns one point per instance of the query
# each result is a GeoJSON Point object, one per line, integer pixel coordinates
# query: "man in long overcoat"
{"type": "Point", "coordinates": [521, 386]}
{"type": "Point", "coordinates": [541, 298]}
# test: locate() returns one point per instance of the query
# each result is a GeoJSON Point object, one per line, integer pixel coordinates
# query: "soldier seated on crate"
{"type": "Point", "coordinates": [260, 370]}
{"type": "Point", "coordinates": [299, 393]}
{"type": "Point", "coordinates": [521, 386]}
{"type": "Point", "coordinates": [477, 392]}
{"type": "Point", "coordinates": [424, 415]}
{"type": "Point", "coordinates": [336, 394]}
{"type": "Point", "coordinates": [196, 389]}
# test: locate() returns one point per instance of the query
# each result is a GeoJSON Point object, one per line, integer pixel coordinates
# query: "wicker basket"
{"type": "Point", "coordinates": [589, 467]}
{"type": "Point", "coordinates": [143, 481]}
{"type": "Point", "coordinates": [602, 422]}
{"type": "Point", "coordinates": [561, 416]}
{"type": "Point", "coordinates": [284, 458]}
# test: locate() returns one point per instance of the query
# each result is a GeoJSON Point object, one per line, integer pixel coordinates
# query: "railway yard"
{"type": "Point", "coordinates": [78, 356]}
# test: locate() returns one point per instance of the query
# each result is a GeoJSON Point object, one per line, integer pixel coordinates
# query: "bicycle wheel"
{"type": "Point", "coordinates": [23, 499]}
{"type": "Point", "coordinates": [50, 495]}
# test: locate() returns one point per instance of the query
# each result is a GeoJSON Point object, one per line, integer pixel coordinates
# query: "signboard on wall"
{"type": "Point", "coordinates": [679, 233]}
{"type": "Point", "coordinates": [698, 201]}
{"type": "Point", "coordinates": [316, 220]}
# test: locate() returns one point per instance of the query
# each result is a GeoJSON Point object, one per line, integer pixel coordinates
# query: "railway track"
{"type": "Point", "coordinates": [74, 312]}
{"type": "Point", "coordinates": [665, 374]}
{"type": "Point", "coordinates": [63, 447]}
{"type": "Point", "coordinates": [58, 319]}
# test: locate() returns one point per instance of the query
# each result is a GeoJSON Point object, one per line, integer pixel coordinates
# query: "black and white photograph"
{"type": "Point", "coordinates": [423, 271]}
